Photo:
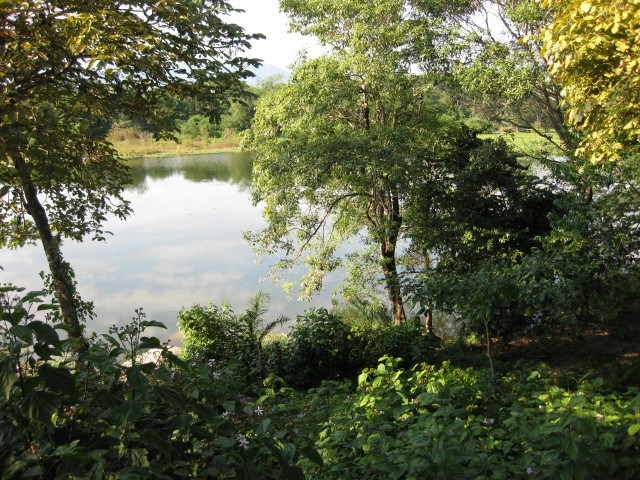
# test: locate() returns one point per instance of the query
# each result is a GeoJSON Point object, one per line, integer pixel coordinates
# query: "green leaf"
{"type": "Point", "coordinates": [139, 457]}
{"type": "Point", "coordinates": [7, 376]}
{"type": "Point", "coordinates": [149, 342]}
{"type": "Point", "coordinates": [59, 380]}
{"type": "Point", "coordinates": [70, 450]}
{"type": "Point", "coordinates": [40, 406]}
{"type": "Point", "coordinates": [289, 451]}
{"type": "Point", "coordinates": [136, 379]}
{"type": "Point", "coordinates": [313, 455]}
{"type": "Point", "coordinates": [47, 306]}
{"type": "Point", "coordinates": [33, 297]}
{"type": "Point", "coordinates": [112, 340]}
{"type": "Point", "coordinates": [152, 323]}
{"type": "Point", "coordinates": [126, 412]}
{"type": "Point", "coordinates": [177, 361]}
{"type": "Point", "coordinates": [229, 406]}
{"type": "Point", "coordinates": [23, 332]}
{"type": "Point", "coordinates": [633, 429]}
{"type": "Point", "coordinates": [206, 413]}
{"type": "Point", "coordinates": [171, 396]}
{"type": "Point", "coordinates": [263, 426]}
{"type": "Point", "coordinates": [45, 333]}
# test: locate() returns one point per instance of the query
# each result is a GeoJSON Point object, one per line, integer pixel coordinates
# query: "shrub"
{"type": "Point", "coordinates": [318, 349]}
{"type": "Point", "coordinates": [199, 126]}
{"type": "Point", "coordinates": [407, 342]}
{"type": "Point", "coordinates": [220, 337]}
{"type": "Point", "coordinates": [210, 333]}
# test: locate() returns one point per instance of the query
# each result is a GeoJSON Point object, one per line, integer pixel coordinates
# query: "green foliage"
{"type": "Point", "coordinates": [210, 332]}
{"type": "Point", "coordinates": [503, 76]}
{"type": "Point", "coordinates": [71, 70]}
{"type": "Point", "coordinates": [95, 416]}
{"type": "Point", "coordinates": [407, 341]}
{"type": "Point", "coordinates": [479, 125]}
{"type": "Point", "coordinates": [323, 347]}
{"type": "Point", "coordinates": [223, 339]}
{"type": "Point", "coordinates": [318, 349]}
{"type": "Point", "coordinates": [199, 126]}
{"type": "Point", "coordinates": [447, 423]}
{"type": "Point", "coordinates": [338, 146]}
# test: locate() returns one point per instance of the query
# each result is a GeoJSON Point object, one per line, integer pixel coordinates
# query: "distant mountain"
{"type": "Point", "coordinates": [267, 70]}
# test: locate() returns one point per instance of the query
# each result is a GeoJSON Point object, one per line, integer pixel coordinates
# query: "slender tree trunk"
{"type": "Point", "coordinates": [389, 267]}
{"type": "Point", "coordinates": [428, 313]}
{"type": "Point", "coordinates": [60, 270]}
{"type": "Point", "coordinates": [428, 319]}
{"type": "Point", "coordinates": [392, 281]}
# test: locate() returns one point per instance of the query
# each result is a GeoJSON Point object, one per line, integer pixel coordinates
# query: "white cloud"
{"type": "Point", "coordinates": [281, 47]}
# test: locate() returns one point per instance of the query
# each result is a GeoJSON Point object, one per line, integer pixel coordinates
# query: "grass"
{"type": "Point", "coordinates": [132, 143]}
{"type": "Point", "coordinates": [528, 143]}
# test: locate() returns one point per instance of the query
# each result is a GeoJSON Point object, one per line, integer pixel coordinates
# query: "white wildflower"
{"type": "Point", "coordinates": [242, 441]}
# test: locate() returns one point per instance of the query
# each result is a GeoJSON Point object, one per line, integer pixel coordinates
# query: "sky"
{"type": "Point", "coordinates": [263, 16]}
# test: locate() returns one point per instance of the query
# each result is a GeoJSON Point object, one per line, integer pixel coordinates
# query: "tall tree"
{"type": "Point", "coordinates": [499, 65]}
{"type": "Point", "coordinates": [68, 69]}
{"type": "Point", "coordinates": [338, 145]}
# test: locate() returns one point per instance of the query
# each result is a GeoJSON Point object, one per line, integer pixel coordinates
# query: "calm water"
{"type": "Point", "coordinates": [182, 245]}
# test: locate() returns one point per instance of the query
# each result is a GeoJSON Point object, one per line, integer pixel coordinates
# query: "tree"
{"type": "Point", "coordinates": [499, 68]}
{"type": "Point", "coordinates": [241, 111]}
{"type": "Point", "coordinates": [69, 69]}
{"type": "Point", "coordinates": [338, 145]}
{"type": "Point", "coordinates": [592, 49]}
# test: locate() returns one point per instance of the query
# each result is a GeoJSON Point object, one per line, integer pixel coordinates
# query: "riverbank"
{"type": "Point", "coordinates": [132, 143]}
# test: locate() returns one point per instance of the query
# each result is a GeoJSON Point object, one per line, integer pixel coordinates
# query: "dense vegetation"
{"type": "Point", "coordinates": [108, 412]}
{"type": "Point", "coordinates": [487, 255]}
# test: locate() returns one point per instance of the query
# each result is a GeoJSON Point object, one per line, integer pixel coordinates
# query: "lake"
{"type": "Point", "coordinates": [183, 245]}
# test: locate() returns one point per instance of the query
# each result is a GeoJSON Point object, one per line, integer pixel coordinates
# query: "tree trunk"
{"type": "Point", "coordinates": [428, 319]}
{"type": "Point", "coordinates": [428, 312]}
{"type": "Point", "coordinates": [388, 251]}
{"type": "Point", "coordinates": [392, 281]}
{"type": "Point", "coordinates": [60, 270]}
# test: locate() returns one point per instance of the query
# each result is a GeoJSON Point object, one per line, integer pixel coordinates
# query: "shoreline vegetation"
{"type": "Point", "coordinates": [132, 143]}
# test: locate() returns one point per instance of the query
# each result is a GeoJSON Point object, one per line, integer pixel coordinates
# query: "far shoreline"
{"type": "Point", "coordinates": [130, 144]}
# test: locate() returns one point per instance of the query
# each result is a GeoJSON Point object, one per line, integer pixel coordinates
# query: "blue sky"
{"type": "Point", "coordinates": [263, 16]}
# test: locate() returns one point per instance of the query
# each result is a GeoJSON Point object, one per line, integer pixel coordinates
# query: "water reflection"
{"type": "Point", "coordinates": [183, 245]}
{"type": "Point", "coordinates": [232, 168]}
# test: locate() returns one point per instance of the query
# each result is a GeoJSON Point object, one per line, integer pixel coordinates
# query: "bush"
{"type": "Point", "coordinates": [480, 125]}
{"type": "Point", "coordinates": [318, 349]}
{"type": "Point", "coordinates": [220, 337]}
{"type": "Point", "coordinates": [407, 342]}
{"type": "Point", "coordinates": [210, 333]}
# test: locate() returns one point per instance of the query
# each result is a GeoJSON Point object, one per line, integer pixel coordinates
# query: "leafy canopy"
{"type": "Point", "coordinates": [593, 50]}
